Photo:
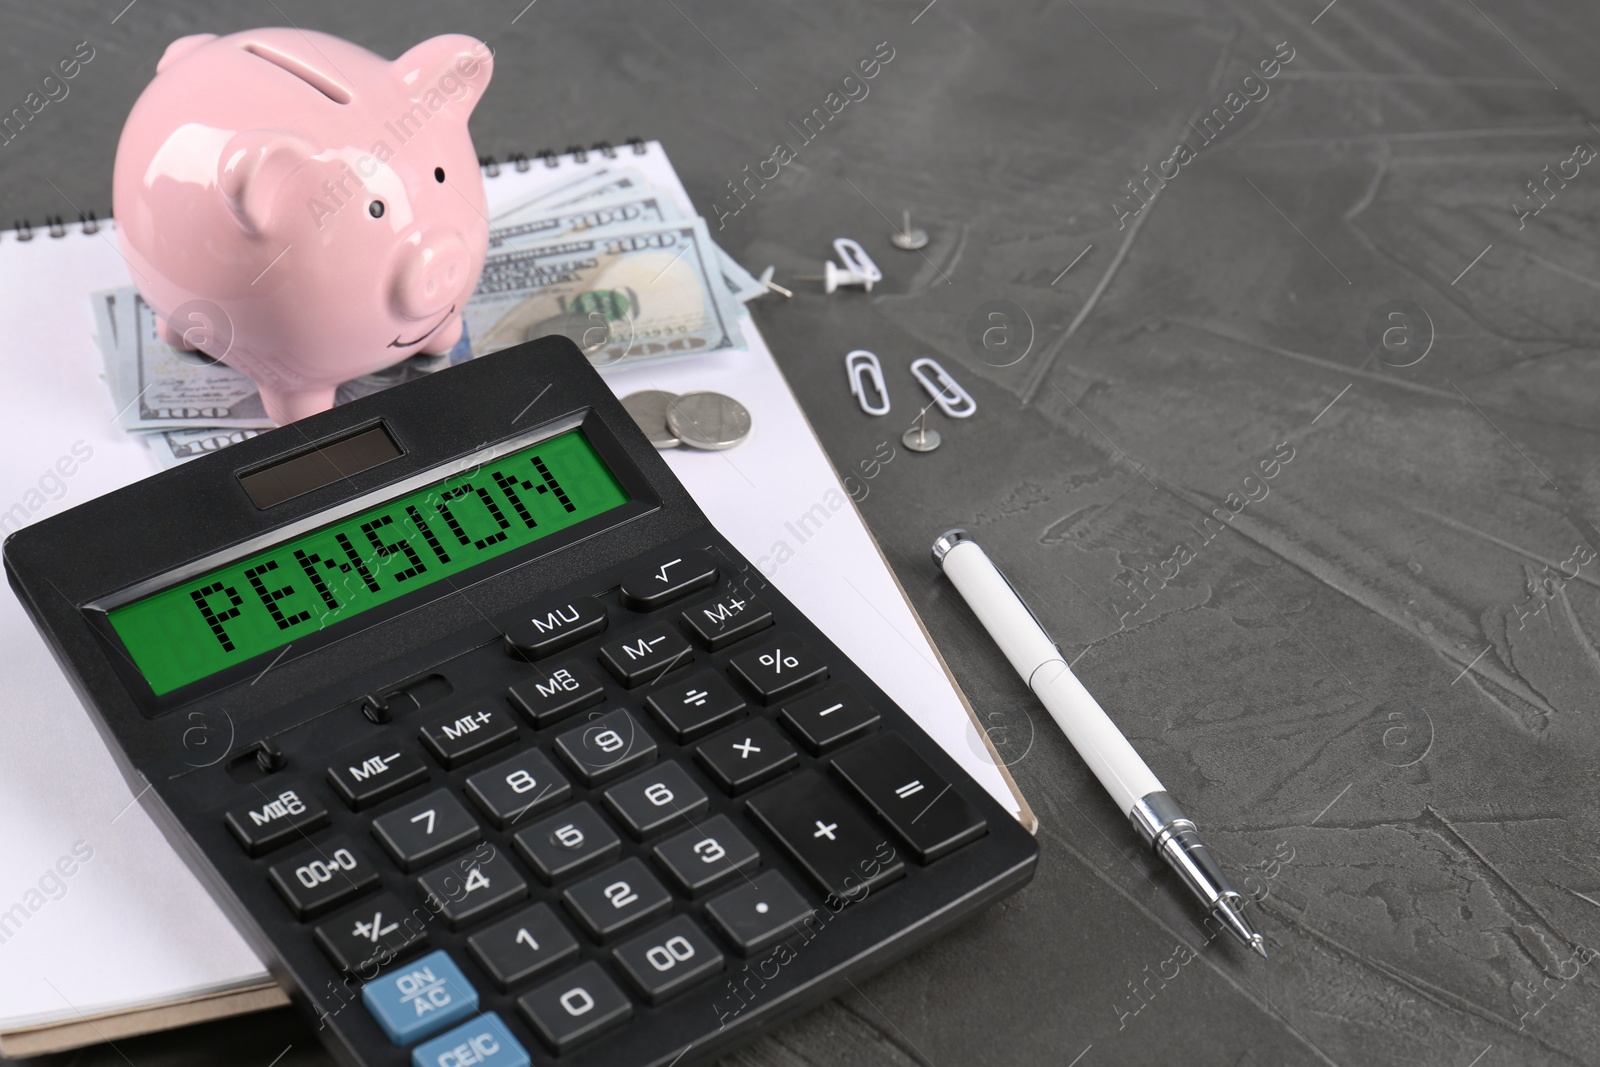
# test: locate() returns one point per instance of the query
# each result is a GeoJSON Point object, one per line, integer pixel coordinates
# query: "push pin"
{"type": "Point", "coordinates": [919, 438]}
{"type": "Point", "coordinates": [907, 239]}
{"type": "Point", "coordinates": [833, 276]}
{"type": "Point", "coordinates": [766, 280]}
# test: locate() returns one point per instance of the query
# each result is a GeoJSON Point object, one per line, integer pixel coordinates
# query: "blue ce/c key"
{"type": "Point", "coordinates": [483, 1042]}
{"type": "Point", "coordinates": [420, 998]}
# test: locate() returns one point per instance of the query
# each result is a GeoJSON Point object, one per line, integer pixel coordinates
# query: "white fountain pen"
{"type": "Point", "coordinates": [1135, 789]}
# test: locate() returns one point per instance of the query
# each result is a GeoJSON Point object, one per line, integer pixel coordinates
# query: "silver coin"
{"type": "Point", "coordinates": [649, 409]}
{"type": "Point", "coordinates": [708, 420]}
{"type": "Point", "coordinates": [920, 440]}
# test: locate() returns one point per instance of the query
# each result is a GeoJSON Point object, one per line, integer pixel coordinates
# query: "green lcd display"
{"type": "Point", "coordinates": [301, 586]}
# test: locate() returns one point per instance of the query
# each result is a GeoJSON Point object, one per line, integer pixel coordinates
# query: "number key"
{"type": "Point", "coordinates": [530, 942]}
{"type": "Point", "coordinates": [607, 747]}
{"type": "Point", "coordinates": [524, 784]}
{"type": "Point", "coordinates": [671, 958]}
{"type": "Point", "coordinates": [472, 887]}
{"type": "Point", "coordinates": [660, 797]}
{"type": "Point", "coordinates": [570, 841]}
{"type": "Point", "coordinates": [706, 855]}
{"type": "Point", "coordinates": [426, 829]}
{"type": "Point", "coordinates": [617, 898]}
{"type": "Point", "coordinates": [581, 1004]}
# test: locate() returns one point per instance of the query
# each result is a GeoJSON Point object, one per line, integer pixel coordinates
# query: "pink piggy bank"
{"type": "Point", "coordinates": [303, 209]}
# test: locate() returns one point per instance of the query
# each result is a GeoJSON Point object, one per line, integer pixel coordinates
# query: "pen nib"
{"type": "Point", "coordinates": [1233, 918]}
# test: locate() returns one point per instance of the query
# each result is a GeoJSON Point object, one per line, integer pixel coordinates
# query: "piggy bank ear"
{"type": "Point", "coordinates": [251, 173]}
{"type": "Point", "coordinates": [182, 47]}
{"type": "Point", "coordinates": [453, 67]}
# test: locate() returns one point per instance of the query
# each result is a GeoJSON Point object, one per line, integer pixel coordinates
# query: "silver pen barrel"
{"type": "Point", "coordinates": [1172, 835]}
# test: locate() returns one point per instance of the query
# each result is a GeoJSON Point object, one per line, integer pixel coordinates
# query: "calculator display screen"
{"type": "Point", "coordinates": [300, 586]}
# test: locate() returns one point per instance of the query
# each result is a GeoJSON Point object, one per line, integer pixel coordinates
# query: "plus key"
{"type": "Point", "coordinates": [839, 846]}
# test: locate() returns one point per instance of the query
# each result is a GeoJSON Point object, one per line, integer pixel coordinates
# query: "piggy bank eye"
{"type": "Point", "coordinates": [438, 175]}
{"type": "Point", "coordinates": [375, 209]}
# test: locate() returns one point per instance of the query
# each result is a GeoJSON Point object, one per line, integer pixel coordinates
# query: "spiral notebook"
{"type": "Point", "coordinates": [103, 931]}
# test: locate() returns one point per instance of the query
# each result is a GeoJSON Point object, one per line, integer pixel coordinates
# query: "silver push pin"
{"type": "Point", "coordinates": [907, 239]}
{"type": "Point", "coordinates": [766, 280]}
{"type": "Point", "coordinates": [919, 438]}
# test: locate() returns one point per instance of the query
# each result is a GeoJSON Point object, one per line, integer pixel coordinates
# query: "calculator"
{"type": "Point", "coordinates": [490, 744]}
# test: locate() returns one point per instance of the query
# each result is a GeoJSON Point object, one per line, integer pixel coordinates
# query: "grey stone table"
{"type": "Point", "coordinates": [1371, 676]}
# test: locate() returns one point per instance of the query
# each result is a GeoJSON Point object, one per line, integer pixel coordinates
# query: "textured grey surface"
{"type": "Point", "coordinates": [1341, 685]}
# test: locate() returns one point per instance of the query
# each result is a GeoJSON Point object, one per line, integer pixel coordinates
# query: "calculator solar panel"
{"type": "Point", "coordinates": [489, 742]}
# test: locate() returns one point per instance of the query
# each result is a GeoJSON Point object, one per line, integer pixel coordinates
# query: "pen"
{"type": "Point", "coordinates": [1132, 785]}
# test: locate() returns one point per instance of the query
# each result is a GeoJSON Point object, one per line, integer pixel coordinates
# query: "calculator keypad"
{"type": "Point", "coordinates": [604, 829]}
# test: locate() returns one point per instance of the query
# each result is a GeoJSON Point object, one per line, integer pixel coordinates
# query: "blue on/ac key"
{"type": "Point", "coordinates": [483, 1042]}
{"type": "Point", "coordinates": [420, 998]}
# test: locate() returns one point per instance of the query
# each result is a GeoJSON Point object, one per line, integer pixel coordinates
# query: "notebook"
{"type": "Point", "coordinates": [103, 931]}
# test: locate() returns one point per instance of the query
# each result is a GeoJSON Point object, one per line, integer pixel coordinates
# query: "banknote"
{"type": "Point", "coordinates": [626, 211]}
{"type": "Point", "coordinates": [609, 210]}
{"type": "Point", "coordinates": [157, 387]}
{"type": "Point", "coordinates": [172, 447]}
{"type": "Point", "coordinates": [651, 293]}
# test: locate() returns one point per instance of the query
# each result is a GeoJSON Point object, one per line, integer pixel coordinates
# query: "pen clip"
{"type": "Point", "coordinates": [863, 364]}
{"type": "Point", "coordinates": [1032, 615]}
{"type": "Point", "coordinates": [946, 392]}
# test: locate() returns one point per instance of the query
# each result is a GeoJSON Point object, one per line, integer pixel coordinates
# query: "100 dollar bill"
{"type": "Point", "coordinates": [650, 293]}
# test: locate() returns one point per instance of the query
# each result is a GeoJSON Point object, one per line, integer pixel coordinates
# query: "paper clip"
{"type": "Point", "coordinates": [854, 364]}
{"type": "Point", "coordinates": [951, 398]}
{"type": "Point", "coordinates": [856, 260]}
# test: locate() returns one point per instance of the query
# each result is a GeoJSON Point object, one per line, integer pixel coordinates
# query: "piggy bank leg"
{"type": "Point", "coordinates": [286, 407]}
{"type": "Point", "coordinates": [172, 337]}
{"type": "Point", "coordinates": [444, 338]}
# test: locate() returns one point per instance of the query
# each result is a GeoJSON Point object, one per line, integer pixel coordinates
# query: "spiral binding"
{"type": "Point", "coordinates": [56, 226]}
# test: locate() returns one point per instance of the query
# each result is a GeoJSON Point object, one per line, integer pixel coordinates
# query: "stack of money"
{"type": "Point", "coordinates": [605, 259]}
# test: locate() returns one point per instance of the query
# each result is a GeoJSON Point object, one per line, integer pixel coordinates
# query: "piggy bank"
{"type": "Point", "coordinates": [302, 209]}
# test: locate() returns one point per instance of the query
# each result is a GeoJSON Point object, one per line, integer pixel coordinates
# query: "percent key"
{"type": "Point", "coordinates": [779, 668]}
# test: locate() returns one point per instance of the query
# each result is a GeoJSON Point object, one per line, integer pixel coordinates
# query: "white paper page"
{"type": "Point", "coordinates": [133, 926]}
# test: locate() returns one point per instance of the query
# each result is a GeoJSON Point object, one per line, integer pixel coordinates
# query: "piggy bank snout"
{"type": "Point", "coordinates": [432, 275]}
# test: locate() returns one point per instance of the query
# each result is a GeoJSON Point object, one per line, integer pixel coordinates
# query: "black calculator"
{"type": "Point", "coordinates": [490, 744]}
